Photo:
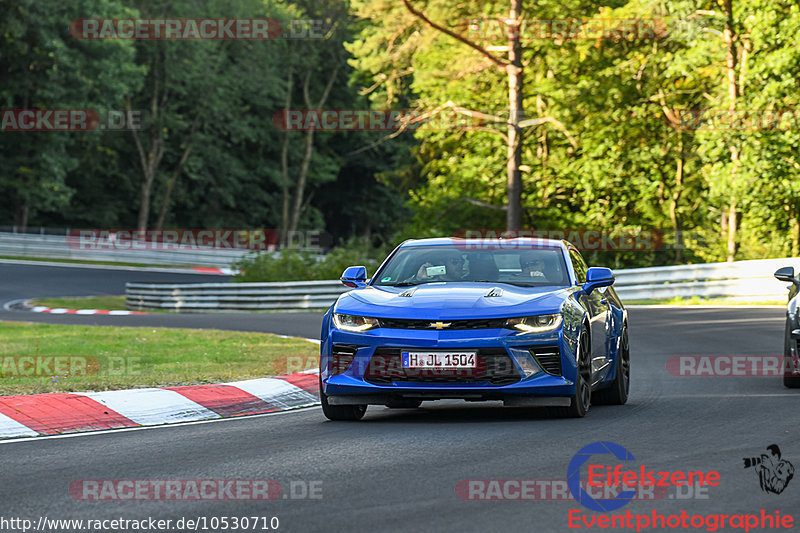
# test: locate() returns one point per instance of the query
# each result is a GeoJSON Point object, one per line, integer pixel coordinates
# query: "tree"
{"type": "Point", "coordinates": [44, 67]}
{"type": "Point", "coordinates": [511, 68]}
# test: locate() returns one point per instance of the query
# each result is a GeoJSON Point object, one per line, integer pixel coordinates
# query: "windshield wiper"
{"type": "Point", "coordinates": [403, 284]}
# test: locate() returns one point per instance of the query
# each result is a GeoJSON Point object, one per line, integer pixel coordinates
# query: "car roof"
{"type": "Point", "coordinates": [480, 242]}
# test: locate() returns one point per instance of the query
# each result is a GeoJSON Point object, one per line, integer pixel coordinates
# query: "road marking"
{"type": "Point", "coordinates": [152, 406]}
{"type": "Point", "coordinates": [277, 392]}
{"type": "Point", "coordinates": [11, 428]}
{"type": "Point", "coordinates": [143, 428]}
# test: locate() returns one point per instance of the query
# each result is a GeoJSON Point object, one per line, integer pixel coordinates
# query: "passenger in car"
{"type": "Point", "coordinates": [532, 266]}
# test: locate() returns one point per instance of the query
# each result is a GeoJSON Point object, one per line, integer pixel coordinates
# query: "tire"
{"type": "Point", "coordinates": [581, 400]}
{"type": "Point", "coordinates": [791, 382]}
{"type": "Point", "coordinates": [340, 412]}
{"type": "Point", "coordinates": [617, 393]}
{"type": "Point", "coordinates": [403, 403]}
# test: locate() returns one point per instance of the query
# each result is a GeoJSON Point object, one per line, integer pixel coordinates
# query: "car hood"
{"type": "Point", "coordinates": [452, 300]}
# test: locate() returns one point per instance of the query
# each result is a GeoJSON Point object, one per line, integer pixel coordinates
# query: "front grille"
{"type": "Point", "coordinates": [413, 323]}
{"type": "Point", "coordinates": [494, 367]}
{"type": "Point", "coordinates": [548, 358]}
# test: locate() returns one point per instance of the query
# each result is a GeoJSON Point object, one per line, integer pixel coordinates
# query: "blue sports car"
{"type": "Point", "coordinates": [520, 320]}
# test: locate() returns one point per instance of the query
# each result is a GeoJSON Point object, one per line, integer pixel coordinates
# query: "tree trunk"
{"type": "Point", "coordinates": [150, 159]}
{"type": "Point", "coordinates": [21, 218]}
{"type": "Point", "coordinates": [301, 181]}
{"type": "Point", "coordinates": [174, 178]}
{"type": "Point", "coordinates": [673, 206]}
{"type": "Point", "coordinates": [285, 199]}
{"type": "Point", "coordinates": [515, 112]}
{"type": "Point", "coordinates": [730, 60]}
{"type": "Point", "coordinates": [144, 201]}
{"type": "Point", "coordinates": [298, 206]}
{"type": "Point", "coordinates": [732, 230]}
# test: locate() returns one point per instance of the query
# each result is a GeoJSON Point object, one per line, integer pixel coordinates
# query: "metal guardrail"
{"type": "Point", "coordinates": [739, 280]}
{"type": "Point", "coordinates": [64, 247]}
{"type": "Point", "coordinates": [742, 280]}
{"type": "Point", "coordinates": [215, 297]}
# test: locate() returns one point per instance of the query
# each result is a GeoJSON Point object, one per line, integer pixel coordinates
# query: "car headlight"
{"type": "Point", "coordinates": [354, 322]}
{"type": "Point", "coordinates": [535, 324]}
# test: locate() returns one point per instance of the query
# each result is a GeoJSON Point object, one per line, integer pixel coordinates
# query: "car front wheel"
{"type": "Point", "coordinates": [582, 398]}
{"type": "Point", "coordinates": [340, 412]}
{"type": "Point", "coordinates": [617, 393]}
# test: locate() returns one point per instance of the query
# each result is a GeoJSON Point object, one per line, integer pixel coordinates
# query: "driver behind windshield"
{"type": "Point", "coordinates": [532, 266]}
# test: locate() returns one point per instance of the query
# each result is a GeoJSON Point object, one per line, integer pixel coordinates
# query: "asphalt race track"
{"type": "Point", "coordinates": [397, 470]}
{"type": "Point", "coordinates": [23, 281]}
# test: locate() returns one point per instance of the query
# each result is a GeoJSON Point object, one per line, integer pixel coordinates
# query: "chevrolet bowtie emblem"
{"type": "Point", "coordinates": [439, 325]}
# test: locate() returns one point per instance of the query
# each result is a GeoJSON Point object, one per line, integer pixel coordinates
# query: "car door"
{"type": "Point", "coordinates": [598, 309]}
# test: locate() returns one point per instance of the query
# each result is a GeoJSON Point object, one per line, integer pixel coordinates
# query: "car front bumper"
{"type": "Point", "coordinates": [357, 383]}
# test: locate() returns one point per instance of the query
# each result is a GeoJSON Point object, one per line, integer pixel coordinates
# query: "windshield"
{"type": "Point", "coordinates": [525, 266]}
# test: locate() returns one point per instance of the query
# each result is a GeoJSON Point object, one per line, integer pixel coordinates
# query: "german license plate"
{"type": "Point", "coordinates": [422, 359]}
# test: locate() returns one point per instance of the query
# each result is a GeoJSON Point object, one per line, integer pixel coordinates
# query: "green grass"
{"type": "Point", "coordinates": [98, 358]}
{"type": "Point", "coordinates": [92, 302]}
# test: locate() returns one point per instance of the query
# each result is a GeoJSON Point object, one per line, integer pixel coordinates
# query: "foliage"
{"type": "Point", "coordinates": [616, 150]}
{"type": "Point", "coordinates": [292, 265]}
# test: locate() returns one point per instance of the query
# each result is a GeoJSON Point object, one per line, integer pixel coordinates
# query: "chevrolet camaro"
{"type": "Point", "coordinates": [522, 321]}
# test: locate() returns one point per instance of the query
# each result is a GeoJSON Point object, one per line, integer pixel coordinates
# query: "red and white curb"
{"type": "Point", "coordinates": [62, 311]}
{"type": "Point", "coordinates": [59, 413]}
{"type": "Point", "coordinates": [225, 271]}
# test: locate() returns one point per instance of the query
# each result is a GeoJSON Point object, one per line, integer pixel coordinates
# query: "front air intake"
{"type": "Point", "coordinates": [342, 356]}
{"type": "Point", "coordinates": [548, 358]}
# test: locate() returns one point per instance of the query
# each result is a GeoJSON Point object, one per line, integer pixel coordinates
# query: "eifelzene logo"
{"type": "Point", "coordinates": [439, 325]}
{"type": "Point", "coordinates": [774, 473]}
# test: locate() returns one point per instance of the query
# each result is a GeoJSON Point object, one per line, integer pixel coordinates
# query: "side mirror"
{"type": "Point", "coordinates": [597, 277]}
{"type": "Point", "coordinates": [355, 276]}
{"type": "Point", "coordinates": [787, 274]}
